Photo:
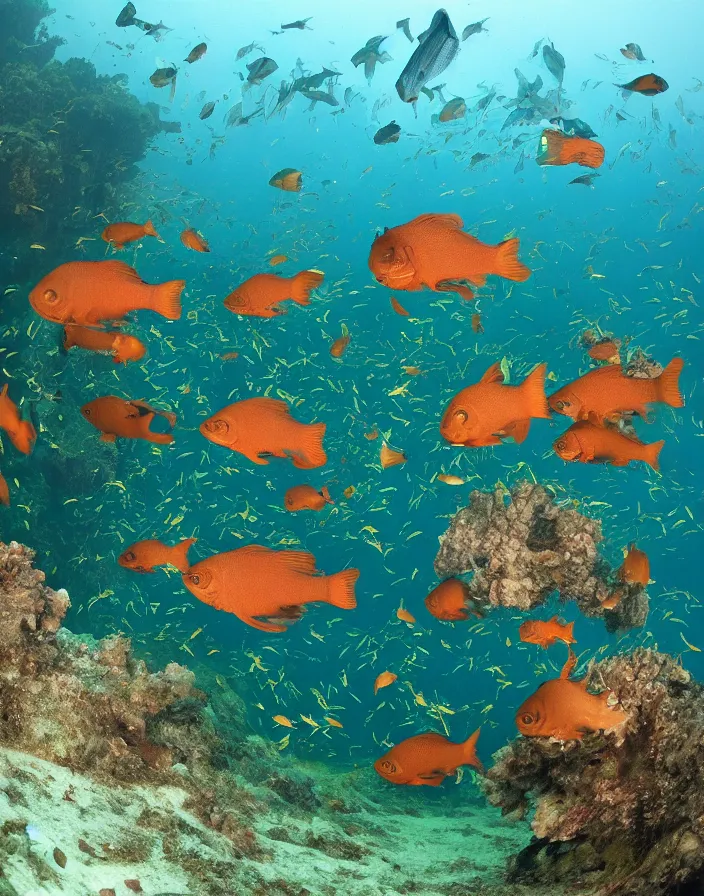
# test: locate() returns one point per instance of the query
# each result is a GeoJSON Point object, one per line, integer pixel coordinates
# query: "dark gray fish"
{"type": "Point", "coordinates": [586, 179]}
{"type": "Point", "coordinates": [633, 51]}
{"type": "Point", "coordinates": [437, 47]}
{"type": "Point", "coordinates": [536, 48]}
{"type": "Point", "coordinates": [405, 26]}
{"type": "Point", "coordinates": [244, 51]}
{"type": "Point", "coordinates": [388, 134]}
{"type": "Point", "coordinates": [286, 94]}
{"type": "Point", "coordinates": [574, 127]}
{"type": "Point", "coordinates": [370, 55]}
{"type": "Point", "coordinates": [477, 158]}
{"type": "Point", "coordinates": [555, 62]}
{"type": "Point", "coordinates": [672, 140]}
{"type": "Point", "coordinates": [319, 96]}
{"type": "Point", "coordinates": [301, 25]}
{"type": "Point", "coordinates": [163, 76]}
{"type": "Point", "coordinates": [521, 116]}
{"type": "Point", "coordinates": [313, 82]}
{"type": "Point", "coordinates": [155, 31]}
{"type": "Point", "coordinates": [207, 111]}
{"type": "Point", "coordinates": [126, 17]}
{"type": "Point", "coordinates": [260, 69]}
{"type": "Point", "coordinates": [474, 28]}
{"type": "Point", "coordinates": [519, 163]}
{"type": "Point", "coordinates": [196, 53]}
{"type": "Point", "coordinates": [481, 104]}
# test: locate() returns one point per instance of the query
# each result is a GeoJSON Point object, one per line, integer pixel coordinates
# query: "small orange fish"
{"type": "Point", "coordinates": [487, 412]}
{"type": "Point", "coordinates": [591, 444]}
{"type": "Point", "coordinates": [277, 259]}
{"type": "Point", "coordinates": [433, 251]}
{"type": "Point", "coordinates": [262, 294]}
{"type": "Point", "coordinates": [565, 710]}
{"type": "Point", "coordinates": [398, 307]}
{"type": "Point", "coordinates": [126, 232]}
{"type": "Point", "coordinates": [450, 601]}
{"type": "Point", "coordinates": [371, 435]}
{"type": "Point", "coordinates": [257, 426]}
{"type": "Point", "coordinates": [268, 589]}
{"type": "Point", "coordinates": [339, 346]}
{"type": "Point", "coordinates": [450, 480]}
{"type": "Point", "coordinates": [391, 458]}
{"type": "Point", "coordinates": [384, 680]}
{"type": "Point", "coordinates": [143, 556]}
{"type": "Point", "coordinates": [648, 85]}
{"type": "Point", "coordinates": [635, 569]}
{"type": "Point", "coordinates": [349, 491]}
{"type": "Point", "coordinates": [427, 759]}
{"type": "Point", "coordinates": [115, 417]}
{"type": "Point", "coordinates": [282, 720]}
{"type": "Point", "coordinates": [230, 356]}
{"type": "Point", "coordinates": [122, 346]}
{"type": "Point", "coordinates": [288, 179]}
{"type": "Point", "coordinates": [613, 600]}
{"type": "Point", "coordinates": [538, 631]}
{"type": "Point", "coordinates": [193, 240]}
{"type": "Point", "coordinates": [557, 148]}
{"type": "Point", "coordinates": [606, 350]}
{"type": "Point", "coordinates": [412, 371]}
{"type": "Point", "coordinates": [477, 325]}
{"type": "Point", "coordinates": [20, 432]}
{"type": "Point", "coordinates": [405, 616]}
{"type": "Point", "coordinates": [305, 497]}
{"type": "Point", "coordinates": [88, 292]}
{"type": "Point", "coordinates": [4, 492]}
{"type": "Point", "coordinates": [333, 722]}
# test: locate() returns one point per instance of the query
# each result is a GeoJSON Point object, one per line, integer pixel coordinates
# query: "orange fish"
{"type": "Point", "coordinates": [143, 556]}
{"type": "Point", "coordinates": [538, 631]}
{"type": "Point", "coordinates": [613, 600]}
{"type": "Point", "coordinates": [635, 569]}
{"type": "Point", "coordinates": [116, 417]}
{"type": "Point", "coordinates": [126, 232]}
{"type": "Point", "coordinates": [384, 680]}
{"type": "Point", "coordinates": [277, 259]}
{"type": "Point", "coordinates": [391, 458]}
{"type": "Point", "coordinates": [305, 497]}
{"type": "Point", "coordinates": [648, 85]}
{"type": "Point", "coordinates": [259, 426]}
{"type": "Point", "coordinates": [427, 759]}
{"type": "Point", "coordinates": [477, 323]}
{"type": "Point", "coordinates": [4, 492]}
{"type": "Point", "coordinates": [268, 589]}
{"type": "Point", "coordinates": [450, 480]}
{"type": "Point", "coordinates": [398, 307]}
{"type": "Point", "coordinates": [371, 435]}
{"type": "Point", "coordinates": [450, 601]}
{"type": "Point", "coordinates": [565, 710]}
{"type": "Point", "coordinates": [412, 371]}
{"type": "Point", "coordinates": [434, 251]}
{"type": "Point", "coordinates": [230, 356]}
{"type": "Point", "coordinates": [349, 491]}
{"type": "Point", "coordinates": [122, 346]}
{"type": "Point", "coordinates": [88, 292]}
{"type": "Point", "coordinates": [193, 240]}
{"type": "Point", "coordinates": [288, 179]}
{"type": "Point", "coordinates": [20, 432]}
{"type": "Point", "coordinates": [557, 148]}
{"type": "Point", "coordinates": [606, 393]}
{"type": "Point", "coordinates": [339, 346]}
{"type": "Point", "coordinates": [261, 295]}
{"type": "Point", "coordinates": [405, 616]}
{"type": "Point", "coordinates": [592, 444]}
{"type": "Point", "coordinates": [485, 413]}
{"type": "Point", "coordinates": [606, 350]}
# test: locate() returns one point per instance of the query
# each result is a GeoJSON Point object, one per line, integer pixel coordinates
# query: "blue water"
{"type": "Point", "coordinates": [643, 211]}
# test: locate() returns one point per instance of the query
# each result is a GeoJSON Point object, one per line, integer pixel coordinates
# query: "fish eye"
{"type": "Point", "coordinates": [218, 425]}
{"type": "Point", "coordinates": [388, 766]}
{"type": "Point", "coordinates": [129, 556]}
{"type": "Point", "coordinates": [87, 412]}
{"type": "Point", "coordinates": [527, 718]}
{"type": "Point", "coordinates": [195, 579]}
{"type": "Point", "coordinates": [50, 296]}
{"type": "Point", "coordinates": [561, 445]}
{"type": "Point", "coordinates": [461, 416]}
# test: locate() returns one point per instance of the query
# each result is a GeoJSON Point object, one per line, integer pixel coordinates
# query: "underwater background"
{"type": "Point", "coordinates": [623, 257]}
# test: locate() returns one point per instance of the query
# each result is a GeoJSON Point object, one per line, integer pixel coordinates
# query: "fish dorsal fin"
{"type": "Point", "coordinates": [493, 374]}
{"type": "Point", "coordinates": [298, 561]}
{"type": "Point", "coordinates": [120, 269]}
{"type": "Point", "coordinates": [272, 406]}
{"type": "Point", "coordinates": [569, 665]}
{"type": "Point", "coordinates": [452, 222]}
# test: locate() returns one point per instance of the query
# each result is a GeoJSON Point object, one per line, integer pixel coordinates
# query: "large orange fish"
{"type": "Point", "coordinates": [557, 148]}
{"type": "Point", "coordinates": [88, 292]}
{"type": "Point", "coordinates": [589, 443]}
{"type": "Point", "coordinates": [450, 601]}
{"type": "Point", "coordinates": [545, 633]}
{"type": "Point", "coordinates": [607, 393]}
{"type": "Point", "coordinates": [268, 589]}
{"type": "Point", "coordinates": [4, 492]}
{"type": "Point", "coordinates": [143, 556]}
{"type": "Point", "coordinates": [427, 759]}
{"type": "Point", "coordinates": [126, 232]}
{"type": "Point", "coordinates": [648, 85]}
{"type": "Point", "coordinates": [434, 251]}
{"type": "Point", "coordinates": [485, 413]}
{"type": "Point", "coordinates": [606, 350]}
{"type": "Point", "coordinates": [259, 426]}
{"type": "Point", "coordinates": [635, 569]}
{"type": "Point", "coordinates": [565, 710]}
{"type": "Point", "coordinates": [121, 346]}
{"type": "Point", "coordinates": [193, 240]}
{"type": "Point", "coordinates": [305, 497]}
{"type": "Point", "coordinates": [262, 294]}
{"type": "Point", "coordinates": [20, 432]}
{"type": "Point", "coordinates": [116, 417]}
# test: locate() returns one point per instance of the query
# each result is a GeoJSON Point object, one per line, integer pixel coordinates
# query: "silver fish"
{"type": "Point", "coordinates": [437, 47]}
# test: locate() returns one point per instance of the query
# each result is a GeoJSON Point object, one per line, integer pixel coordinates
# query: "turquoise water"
{"type": "Point", "coordinates": [623, 256]}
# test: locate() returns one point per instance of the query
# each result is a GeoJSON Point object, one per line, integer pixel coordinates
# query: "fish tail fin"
{"type": "Point", "coordinates": [326, 494]}
{"type": "Point", "coordinates": [341, 589]}
{"type": "Point", "coordinates": [167, 299]}
{"type": "Point", "coordinates": [507, 263]}
{"type": "Point", "coordinates": [533, 391]}
{"type": "Point", "coordinates": [469, 751]}
{"type": "Point", "coordinates": [302, 285]}
{"type": "Point", "coordinates": [149, 229]}
{"type": "Point", "coordinates": [312, 454]}
{"type": "Point", "coordinates": [651, 454]}
{"type": "Point", "coordinates": [569, 633]}
{"type": "Point", "coordinates": [158, 438]}
{"type": "Point", "coordinates": [179, 554]}
{"type": "Point", "coordinates": [667, 384]}
{"type": "Point", "coordinates": [592, 155]}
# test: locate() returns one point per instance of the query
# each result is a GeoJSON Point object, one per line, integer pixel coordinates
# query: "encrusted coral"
{"type": "Point", "coordinates": [623, 812]}
{"type": "Point", "coordinates": [522, 546]}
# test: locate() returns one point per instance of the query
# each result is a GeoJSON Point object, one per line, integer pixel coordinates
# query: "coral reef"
{"type": "Point", "coordinates": [522, 546]}
{"type": "Point", "coordinates": [621, 813]}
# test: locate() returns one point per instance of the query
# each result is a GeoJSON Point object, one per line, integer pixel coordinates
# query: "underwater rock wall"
{"type": "Point", "coordinates": [522, 546]}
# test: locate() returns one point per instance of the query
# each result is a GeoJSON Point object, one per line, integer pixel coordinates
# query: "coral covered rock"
{"type": "Point", "coordinates": [522, 546]}
{"type": "Point", "coordinates": [627, 806]}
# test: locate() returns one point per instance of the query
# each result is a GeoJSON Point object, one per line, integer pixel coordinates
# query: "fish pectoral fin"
{"type": "Point", "coordinates": [483, 442]}
{"type": "Point", "coordinates": [518, 430]}
{"type": "Point", "coordinates": [261, 625]}
{"type": "Point", "coordinates": [452, 286]}
{"type": "Point", "coordinates": [108, 437]}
